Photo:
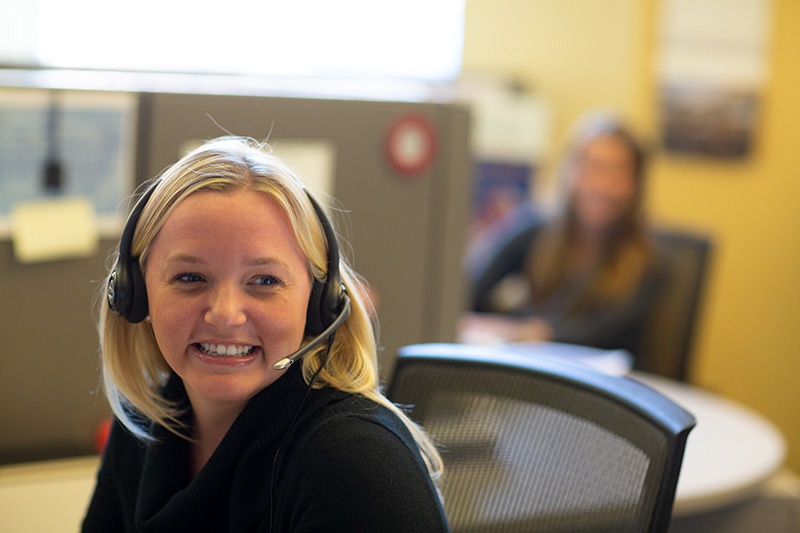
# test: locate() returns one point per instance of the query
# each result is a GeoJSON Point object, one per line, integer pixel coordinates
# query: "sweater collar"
{"type": "Point", "coordinates": [168, 500]}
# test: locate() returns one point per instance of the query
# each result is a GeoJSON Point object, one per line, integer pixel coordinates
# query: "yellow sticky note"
{"type": "Point", "coordinates": [53, 229]}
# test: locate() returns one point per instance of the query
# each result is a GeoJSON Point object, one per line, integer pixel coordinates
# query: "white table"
{"type": "Point", "coordinates": [730, 455]}
{"type": "Point", "coordinates": [47, 496]}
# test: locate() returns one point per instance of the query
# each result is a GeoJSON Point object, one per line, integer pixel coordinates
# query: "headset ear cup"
{"type": "Point", "coordinates": [314, 319]}
{"type": "Point", "coordinates": [327, 298]}
{"type": "Point", "coordinates": [332, 300]}
{"type": "Point", "coordinates": [126, 292]}
{"type": "Point", "coordinates": [138, 294]}
{"type": "Point", "coordinates": [113, 291]}
{"type": "Point", "coordinates": [119, 289]}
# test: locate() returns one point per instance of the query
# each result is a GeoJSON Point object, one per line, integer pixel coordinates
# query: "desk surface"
{"type": "Point", "coordinates": [46, 496]}
{"type": "Point", "coordinates": [730, 454]}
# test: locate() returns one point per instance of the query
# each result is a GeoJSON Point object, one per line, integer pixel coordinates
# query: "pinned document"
{"type": "Point", "coordinates": [52, 229]}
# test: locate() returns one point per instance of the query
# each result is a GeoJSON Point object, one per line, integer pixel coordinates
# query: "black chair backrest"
{"type": "Point", "coordinates": [538, 445]}
{"type": "Point", "coordinates": [667, 339]}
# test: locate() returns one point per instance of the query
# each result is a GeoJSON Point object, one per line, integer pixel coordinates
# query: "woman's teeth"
{"type": "Point", "coordinates": [225, 350]}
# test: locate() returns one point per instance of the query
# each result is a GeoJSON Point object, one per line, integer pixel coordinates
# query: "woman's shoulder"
{"type": "Point", "coordinates": [122, 444]}
{"type": "Point", "coordinates": [353, 432]}
{"type": "Point", "coordinates": [355, 464]}
{"type": "Point", "coordinates": [345, 415]}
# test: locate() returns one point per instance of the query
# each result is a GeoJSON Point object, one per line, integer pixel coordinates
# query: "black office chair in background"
{"type": "Point", "coordinates": [669, 332]}
{"type": "Point", "coordinates": [540, 445]}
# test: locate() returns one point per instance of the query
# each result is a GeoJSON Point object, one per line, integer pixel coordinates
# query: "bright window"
{"type": "Point", "coordinates": [413, 39]}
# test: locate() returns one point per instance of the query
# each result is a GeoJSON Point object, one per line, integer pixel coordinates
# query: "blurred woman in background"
{"type": "Point", "coordinates": [587, 275]}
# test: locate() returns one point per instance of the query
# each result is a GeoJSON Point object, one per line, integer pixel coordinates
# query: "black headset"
{"type": "Point", "coordinates": [328, 305]}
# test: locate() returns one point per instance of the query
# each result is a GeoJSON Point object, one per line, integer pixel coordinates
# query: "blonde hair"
{"type": "Point", "coordinates": [134, 370]}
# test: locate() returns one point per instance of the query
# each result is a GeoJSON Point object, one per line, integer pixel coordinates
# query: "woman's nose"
{"type": "Point", "coordinates": [226, 308]}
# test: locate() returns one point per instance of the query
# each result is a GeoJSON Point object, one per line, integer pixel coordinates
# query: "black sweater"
{"type": "Point", "coordinates": [346, 464]}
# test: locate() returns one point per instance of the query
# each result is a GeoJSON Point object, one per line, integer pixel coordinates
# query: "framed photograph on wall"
{"type": "Point", "coordinates": [712, 67]}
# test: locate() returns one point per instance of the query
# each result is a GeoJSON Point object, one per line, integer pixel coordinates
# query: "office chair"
{"type": "Point", "coordinates": [669, 331]}
{"type": "Point", "coordinates": [542, 445]}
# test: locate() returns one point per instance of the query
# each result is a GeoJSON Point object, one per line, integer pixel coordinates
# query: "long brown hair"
{"type": "Point", "coordinates": [628, 251]}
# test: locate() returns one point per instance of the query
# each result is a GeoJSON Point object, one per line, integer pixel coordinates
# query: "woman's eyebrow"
{"type": "Point", "coordinates": [265, 261]}
{"type": "Point", "coordinates": [254, 261]}
{"type": "Point", "coordinates": [184, 258]}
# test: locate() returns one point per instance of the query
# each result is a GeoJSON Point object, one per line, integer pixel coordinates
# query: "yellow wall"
{"type": "Point", "coordinates": [580, 54]}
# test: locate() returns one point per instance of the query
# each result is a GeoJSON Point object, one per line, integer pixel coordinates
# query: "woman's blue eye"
{"type": "Point", "coordinates": [267, 281]}
{"type": "Point", "coordinates": [189, 278]}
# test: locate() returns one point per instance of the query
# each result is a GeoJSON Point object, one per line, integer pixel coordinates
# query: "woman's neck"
{"type": "Point", "coordinates": [211, 421]}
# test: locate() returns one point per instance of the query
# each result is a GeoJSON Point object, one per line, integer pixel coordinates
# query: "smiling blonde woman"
{"type": "Point", "coordinates": [228, 271]}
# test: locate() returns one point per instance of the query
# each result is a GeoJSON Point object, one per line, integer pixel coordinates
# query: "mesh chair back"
{"type": "Point", "coordinates": [537, 445]}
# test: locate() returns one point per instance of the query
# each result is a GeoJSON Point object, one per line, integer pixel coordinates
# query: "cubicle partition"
{"type": "Point", "coordinates": [400, 172]}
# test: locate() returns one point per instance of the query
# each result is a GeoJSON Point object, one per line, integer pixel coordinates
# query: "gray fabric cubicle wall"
{"type": "Point", "coordinates": [407, 236]}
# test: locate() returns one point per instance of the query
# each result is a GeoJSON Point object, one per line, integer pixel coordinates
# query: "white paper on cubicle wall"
{"type": "Point", "coordinates": [314, 160]}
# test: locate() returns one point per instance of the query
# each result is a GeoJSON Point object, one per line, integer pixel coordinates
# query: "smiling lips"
{"type": "Point", "coordinates": [225, 350]}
